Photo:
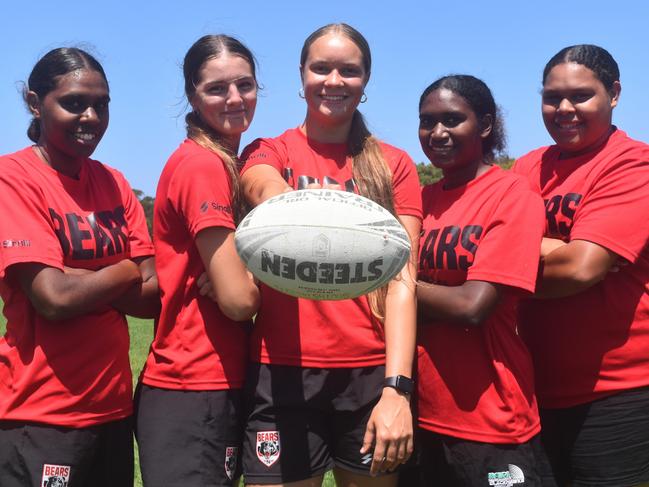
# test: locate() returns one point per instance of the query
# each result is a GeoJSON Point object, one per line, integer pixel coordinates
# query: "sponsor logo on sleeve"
{"type": "Point", "coordinates": [16, 243]}
{"type": "Point", "coordinates": [55, 475]}
{"type": "Point", "coordinates": [268, 447]}
{"type": "Point", "coordinates": [231, 454]}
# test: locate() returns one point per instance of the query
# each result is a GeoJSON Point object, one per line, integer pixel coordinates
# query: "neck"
{"type": "Point", "coordinates": [328, 134]}
{"type": "Point", "coordinates": [64, 164]}
{"type": "Point", "coordinates": [231, 143]}
{"type": "Point", "coordinates": [459, 177]}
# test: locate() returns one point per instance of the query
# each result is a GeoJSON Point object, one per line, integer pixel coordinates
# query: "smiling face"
{"type": "Point", "coordinates": [334, 79]}
{"type": "Point", "coordinates": [226, 95]}
{"type": "Point", "coordinates": [451, 135]}
{"type": "Point", "coordinates": [73, 117]}
{"type": "Point", "coordinates": [577, 109]}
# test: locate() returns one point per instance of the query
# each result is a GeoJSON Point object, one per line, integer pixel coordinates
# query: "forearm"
{"type": "Point", "coordinates": [142, 299]}
{"type": "Point", "coordinates": [261, 183]}
{"type": "Point", "coordinates": [573, 268]}
{"type": "Point", "coordinates": [400, 328]}
{"type": "Point", "coordinates": [466, 305]}
{"type": "Point", "coordinates": [57, 296]}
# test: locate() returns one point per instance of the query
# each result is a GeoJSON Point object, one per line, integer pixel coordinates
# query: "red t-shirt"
{"type": "Point", "coordinates": [196, 347]}
{"type": "Point", "coordinates": [300, 332]}
{"type": "Point", "coordinates": [477, 383]}
{"type": "Point", "coordinates": [596, 342]}
{"type": "Point", "coordinates": [74, 372]}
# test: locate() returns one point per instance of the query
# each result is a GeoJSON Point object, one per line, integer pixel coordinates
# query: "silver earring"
{"type": "Point", "coordinates": [363, 98]}
{"type": "Point", "coordinates": [300, 92]}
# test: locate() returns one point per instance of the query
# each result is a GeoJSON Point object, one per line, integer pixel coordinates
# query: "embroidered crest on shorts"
{"type": "Point", "coordinates": [55, 475]}
{"type": "Point", "coordinates": [231, 454]}
{"type": "Point", "coordinates": [508, 478]}
{"type": "Point", "coordinates": [268, 447]}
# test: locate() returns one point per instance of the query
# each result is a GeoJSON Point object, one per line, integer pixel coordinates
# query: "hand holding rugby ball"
{"type": "Point", "coordinates": [322, 244]}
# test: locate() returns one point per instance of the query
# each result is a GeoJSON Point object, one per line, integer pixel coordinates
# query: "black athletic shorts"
{"type": "Point", "coordinates": [601, 443]}
{"type": "Point", "coordinates": [304, 421]}
{"type": "Point", "coordinates": [453, 462]}
{"type": "Point", "coordinates": [188, 438]}
{"type": "Point", "coordinates": [51, 456]}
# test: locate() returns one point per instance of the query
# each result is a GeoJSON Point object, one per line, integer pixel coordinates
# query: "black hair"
{"type": "Point", "coordinates": [595, 58]}
{"type": "Point", "coordinates": [478, 95]}
{"type": "Point", "coordinates": [46, 72]}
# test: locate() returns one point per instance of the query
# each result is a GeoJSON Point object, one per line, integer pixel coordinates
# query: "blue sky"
{"type": "Point", "coordinates": [141, 45]}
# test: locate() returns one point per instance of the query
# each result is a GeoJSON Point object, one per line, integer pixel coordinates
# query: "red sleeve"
{"type": "Point", "coordinates": [26, 232]}
{"type": "Point", "coordinates": [405, 185]}
{"type": "Point", "coordinates": [138, 232]}
{"type": "Point", "coordinates": [263, 151]}
{"type": "Point", "coordinates": [509, 250]}
{"type": "Point", "coordinates": [200, 191]}
{"type": "Point", "coordinates": [615, 211]}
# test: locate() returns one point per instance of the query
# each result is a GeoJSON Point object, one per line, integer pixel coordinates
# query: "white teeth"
{"type": "Point", "coordinates": [568, 125]}
{"type": "Point", "coordinates": [86, 137]}
{"type": "Point", "coordinates": [333, 98]}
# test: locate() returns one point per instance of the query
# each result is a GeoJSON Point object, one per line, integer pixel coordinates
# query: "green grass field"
{"type": "Point", "coordinates": [141, 333]}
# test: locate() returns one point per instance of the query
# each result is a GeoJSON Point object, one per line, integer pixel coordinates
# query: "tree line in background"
{"type": "Point", "coordinates": [427, 174]}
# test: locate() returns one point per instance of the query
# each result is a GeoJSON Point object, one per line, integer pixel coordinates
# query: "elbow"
{"type": "Point", "coordinates": [586, 277]}
{"type": "Point", "coordinates": [53, 310]}
{"type": "Point", "coordinates": [473, 316]}
{"type": "Point", "coordinates": [241, 309]}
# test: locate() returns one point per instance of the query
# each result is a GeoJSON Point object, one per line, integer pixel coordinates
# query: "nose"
{"type": "Point", "coordinates": [90, 114]}
{"type": "Point", "coordinates": [438, 132]}
{"type": "Point", "coordinates": [234, 96]}
{"type": "Point", "coordinates": [333, 78]}
{"type": "Point", "coordinates": [565, 105]}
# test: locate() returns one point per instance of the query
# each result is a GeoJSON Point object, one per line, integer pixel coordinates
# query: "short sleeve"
{"type": "Point", "coordinates": [509, 250]}
{"type": "Point", "coordinates": [263, 151]}
{"type": "Point", "coordinates": [26, 231]}
{"type": "Point", "coordinates": [405, 185]}
{"type": "Point", "coordinates": [200, 191]}
{"type": "Point", "coordinates": [615, 211]}
{"type": "Point", "coordinates": [138, 233]}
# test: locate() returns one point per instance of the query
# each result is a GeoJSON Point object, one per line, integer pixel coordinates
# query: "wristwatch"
{"type": "Point", "coordinates": [401, 383]}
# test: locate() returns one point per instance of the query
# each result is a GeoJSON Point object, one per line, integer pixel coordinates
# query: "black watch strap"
{"type": "Point", "coordinates": [401, 383]}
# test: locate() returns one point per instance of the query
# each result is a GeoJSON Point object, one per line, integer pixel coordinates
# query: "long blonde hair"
{"type": "Point", "coordinates": [204, 49]}
{"type": "Point", "coordinates": [370, 170]}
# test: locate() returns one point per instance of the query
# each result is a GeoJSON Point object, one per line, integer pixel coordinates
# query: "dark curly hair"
{"type": "Point", "coordinates": [478, 95]}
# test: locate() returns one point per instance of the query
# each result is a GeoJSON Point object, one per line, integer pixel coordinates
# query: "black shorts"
{"type": "Point", "coordinates": [188, 437]}
{"type": "Point", "coordinates": [601, 443]}
{"type": "Point", "coordinates": [52, 456]}
{"type": "Point", "coordinates": [304, 421]}
{"type": "Point", "coordinates": [452, 462]}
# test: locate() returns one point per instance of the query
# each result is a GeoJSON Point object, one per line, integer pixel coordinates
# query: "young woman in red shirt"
{"type": "Point", "coordinates": [479, 253]}
{"type": "Point", "coordinates": [189, 410]}
{"type": "Point", "coordinates": [330, 382]}
{"type": "Point", "coordinates": [589, 328]}
{"type": "Point", "coordinates": [76, 256]}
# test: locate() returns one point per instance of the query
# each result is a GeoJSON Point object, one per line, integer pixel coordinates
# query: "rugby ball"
{"type": "Point", "coordinates": [322, 244]}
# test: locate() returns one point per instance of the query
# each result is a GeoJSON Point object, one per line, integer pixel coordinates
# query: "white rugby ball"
{"type": "Point", "coordinates": [322, 244]}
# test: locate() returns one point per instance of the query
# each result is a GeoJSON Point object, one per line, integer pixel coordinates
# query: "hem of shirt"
{"type": "Point", "coordinates": [607, 243]}
{"type": "Point", "coordinates": [483, 437]}
{"type": "Point", "coordinates": [416, 212]}
{"type": "Point", "coordinates": [71, 422]}
{"type": "Point", "coordinates": [318, 363]}
{"type": "Point", "coordinates": [568, 402]}
{"type": "Point", "coordinates": [210, 222]}
{"type": "Point", "coordinates": [178, 385]}
{"type": "Point", "coordinates": [143, 252]}
{"type": "Point", "coordinates": [504, 279]}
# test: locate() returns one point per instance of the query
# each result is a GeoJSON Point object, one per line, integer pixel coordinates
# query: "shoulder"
{"type": "Point", "coordinates": [621, 146]}
{"type": "Point", "coordinates": [394, 154]}
{"type": "Point", "coordinates": [260, 147]}
{"type": "Point", "coordinates": [192, 159]}
{"type": "Point", "coordinates": [16, 163]}
{"type": "Point", "coordinates": [532, 160]}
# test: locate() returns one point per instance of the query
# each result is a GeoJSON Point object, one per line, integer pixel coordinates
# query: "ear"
{"type": "Point", "coordinates": [301, 73]}
{"type": "Point", "coordinates": [486, 125]}
{"type": "Point", "coordinates": [34, 104]}
{"type": "Point", "coordinates": [615, 93]}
